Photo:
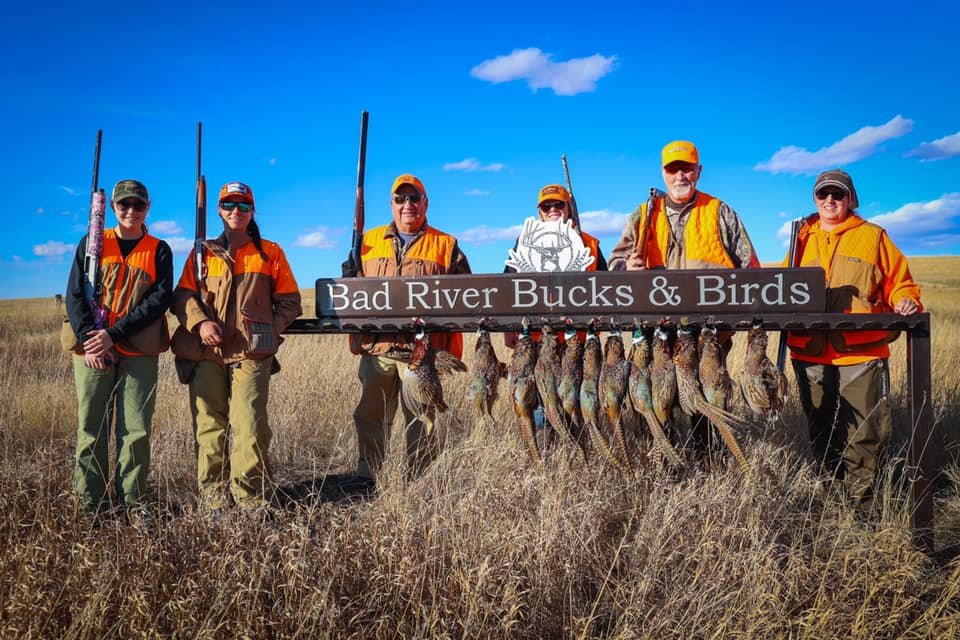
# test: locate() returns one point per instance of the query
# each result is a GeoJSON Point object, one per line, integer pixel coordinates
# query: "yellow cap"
{"type": "Point", "coordinates": [680, 151]}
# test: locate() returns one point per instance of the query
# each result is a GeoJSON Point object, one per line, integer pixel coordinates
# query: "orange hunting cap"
{"type": "Point", "coordinates": [413, 181]}
{"type": "Point", "coordinates": [236, 191]}
{"type": "Point", "coordinates": [554, 192]}
{"type": "Point", "coordinates": [680, 151]}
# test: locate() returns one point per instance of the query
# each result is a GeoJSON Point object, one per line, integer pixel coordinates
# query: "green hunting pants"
{"type": "Point", "coordinates": [374, 414]}
{"type": "Point", "coordinates": [122, 396]}
{"type": "Point", "coordinates": [848, 412]}
{"type": "Point", "coordinates": [235, 397]}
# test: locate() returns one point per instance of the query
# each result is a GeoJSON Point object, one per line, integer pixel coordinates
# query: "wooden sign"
{"type": "Point", "coordinates": [702, 291]}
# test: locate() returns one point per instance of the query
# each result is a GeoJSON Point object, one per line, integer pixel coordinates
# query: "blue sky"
{"type": "Point", "coordinates": [479, 100]}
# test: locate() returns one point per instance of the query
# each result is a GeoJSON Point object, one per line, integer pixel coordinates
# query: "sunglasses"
{"type": "Point", "coordinates": [244, 207]}
{"type": "Point", "coordinates": [414, 198]}
{"type": "Point", "coordinates": [136, 205]}
{"type": "Point", "coordinates": [553, 204]}
{"type": "Point", "coordinates": [837, 195]}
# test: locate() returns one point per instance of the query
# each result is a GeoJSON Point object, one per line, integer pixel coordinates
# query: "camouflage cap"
{"type": "Point", "coordinates": [129, 189]}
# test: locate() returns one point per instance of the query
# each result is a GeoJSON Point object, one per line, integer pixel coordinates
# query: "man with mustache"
{"type": "Point", "coordinates": [687, 229]}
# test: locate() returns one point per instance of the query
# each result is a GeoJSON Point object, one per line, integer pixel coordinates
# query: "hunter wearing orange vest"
{"type": "Point", "coordinates": [115, 367]}
{"type": "Point", "coordinates": [231, 319]}
{"type": "Point", "coordinates": [555, 203]}
{"type": "Point", "coordinates": [688, 229]}
{"type": "Point", "coordinates": [843, 377]}
{"type": "Point", "coordinates": [408, 246]}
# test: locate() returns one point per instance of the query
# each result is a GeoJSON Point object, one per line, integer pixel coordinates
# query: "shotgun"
{"type": "Point", "coordinates": [200, 228]}
{"type": "Point", "coordinates": [645, 229]}
{"type": "Point", "coordinates": [92, 288]}
{"type": "Point", "coordinates": [791, 262]}
{"type": "Point", "coordinates": [574, 211]}
{"type": "Point", "coordinates": [351, 268]}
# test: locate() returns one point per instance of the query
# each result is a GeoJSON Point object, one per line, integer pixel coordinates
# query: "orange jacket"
{"type": "Point", "coordinates": [865, 273]}
{"type": "Point", "coordinates": [382, 255]}
{"type": "Point", "coordinates": [702, 248]}
{"type": "Point", "coordinates": [252, 295]}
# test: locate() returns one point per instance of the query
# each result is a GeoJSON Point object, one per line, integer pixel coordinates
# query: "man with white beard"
{"type": "Point", "coordinates": [688, 229]}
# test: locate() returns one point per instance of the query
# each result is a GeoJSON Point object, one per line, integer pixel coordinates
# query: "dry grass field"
{"type": "Point", "coordinates": [483, 545]}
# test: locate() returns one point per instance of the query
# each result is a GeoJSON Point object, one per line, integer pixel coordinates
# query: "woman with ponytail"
{"type": "Point", "coordinates": [231, 317]}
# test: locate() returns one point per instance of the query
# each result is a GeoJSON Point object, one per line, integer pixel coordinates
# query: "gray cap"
{"type": "Point", "coordinates": [837, 178]}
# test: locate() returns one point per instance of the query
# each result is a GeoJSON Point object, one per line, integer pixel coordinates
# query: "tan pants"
{"type": "Point", "coordinates": [373, 417]}
{"type": "Point", "coordinates": [850, 421]}
{"type": "Point", "coordinates": [233, 396]}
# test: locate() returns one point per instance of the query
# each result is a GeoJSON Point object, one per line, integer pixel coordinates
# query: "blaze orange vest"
{"type": "Point", "coordinates": [594, 245]}
{"type": "Point", "coordinates": [125, 282]}
{"type": "Point", "coordinates": [702, 248]}
{"type": "Point", "coordinates": [851, 263]}
{"type": "Point", "coordinates": [430, 254]}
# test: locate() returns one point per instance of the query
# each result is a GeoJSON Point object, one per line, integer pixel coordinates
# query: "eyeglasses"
{"type": "Point", "coordinates": [553, 204]}
{"type": "Point", "coordinates": [400, 199]}
{"type": "Point", "coordinates": [137, 205]}
{"type": "Point", "coordinates": [244, 207]}
{"type": "Point", "coordinates": [680, 167]}
{"type": "Point", "coordinates": [836, 194]}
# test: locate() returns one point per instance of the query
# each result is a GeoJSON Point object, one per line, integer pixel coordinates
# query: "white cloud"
{"type": "Point", "coordinates": [69, 190]}
{"type": "Point", "coordinates": [321, 238]}
{"type": "Point", "coordinates": [489, 235]}
{"type": "Point", "coordinates": [603, 222]}
{"type": "Point", "coordinates": [477, 192]}
{"type": "Point", "coordinates": [945, 147]}
{"type": "Point", "coordinates": [577, 75]}
{"type": "Point", "coordinates": [923, 220]}
{"type": "Point", "coordinates": [472, 164]}
{"type": "Point", "coordinates": [856, 146]}
{"type": "Point", "coordinates": [53, 249]}
{"type": "Point", "coordinates": [178, 245]}
{"type": "Point", "coordinates": [164, 228]}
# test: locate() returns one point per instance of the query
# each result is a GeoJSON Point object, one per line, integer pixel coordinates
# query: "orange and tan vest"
{"type": "Point", "coordinates": [702, 247]}
{"type": "Point", "coordinates": [429, 255]}
{"type": "Point", "coordinates": [244, 295]}
{"type": "Point", "coordinates": [850, 261]}
{"type": "Point", "coordinates": [125, 282]}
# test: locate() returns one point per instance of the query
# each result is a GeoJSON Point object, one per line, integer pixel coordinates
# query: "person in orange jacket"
{"type": "Point", "coordinates": [407, 246]}
{"type": "Point", "coordinates": [844, 377]}
{"type": "Point", "coordinates": [230, 326]}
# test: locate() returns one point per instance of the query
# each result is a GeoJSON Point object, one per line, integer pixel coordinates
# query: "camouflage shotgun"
{"type": "Point", "coordinates": [92, 288]}
{"type": "Point", "coordinates": [351, 268]}
{"type": "Point", "coordinates": [574, 211]}
{"type": "Point", "coordinates": [792, 256]}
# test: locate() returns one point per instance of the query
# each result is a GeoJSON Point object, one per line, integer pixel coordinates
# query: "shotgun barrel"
{"type": "Point", "coordinates": [574, 210]}
{"type": "Point", "coordinates": [351, 268]}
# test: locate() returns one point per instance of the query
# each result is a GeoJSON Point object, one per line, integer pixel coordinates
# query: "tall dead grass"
{"type": "Point", "coordinates": [483, 545]}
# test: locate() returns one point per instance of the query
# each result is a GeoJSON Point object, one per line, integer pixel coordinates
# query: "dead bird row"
{"type": "Point", "coordinates": [594, 397]}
